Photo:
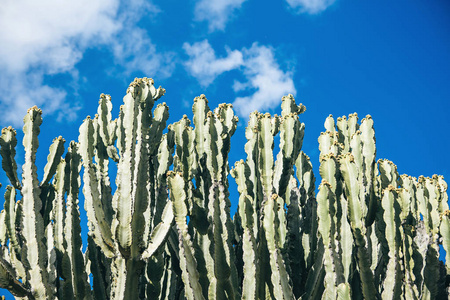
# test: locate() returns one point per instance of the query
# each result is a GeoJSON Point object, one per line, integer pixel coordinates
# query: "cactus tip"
{"type": "Point", "coordinates": [35, 108]}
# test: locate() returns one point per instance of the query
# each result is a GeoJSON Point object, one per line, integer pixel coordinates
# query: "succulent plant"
{"type": "Point", "coordinates": [164, 229]}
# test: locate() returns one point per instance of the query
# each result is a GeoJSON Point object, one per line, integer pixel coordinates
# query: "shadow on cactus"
{"type": "Point", "coordinates": [166, 232]}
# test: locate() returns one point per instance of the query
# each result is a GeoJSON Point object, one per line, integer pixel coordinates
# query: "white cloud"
{"type": "Point", "coordinates": [22, 92]}
{"type": "Point", "coordinates": [264, 75]}
{"type": "Point", "coordinates": [205, 66]}
{"type": "Point", "coordinates": [310, 6]}
{"type": "Point", "coordinates": [49, 37]}
{"type": "Point", "coordinates": [134, 51]}
{"type": "Point", "coordinates": [51, 34]}
{"type": "Point", "coordinates": [216, 12]}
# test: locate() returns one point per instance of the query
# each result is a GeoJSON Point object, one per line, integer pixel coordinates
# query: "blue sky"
{"type": "Point", "coordinates": [390, 59]}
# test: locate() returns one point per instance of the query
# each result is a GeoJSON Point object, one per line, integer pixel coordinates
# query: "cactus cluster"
{"type": "Point", "coordinates": [164, 230]}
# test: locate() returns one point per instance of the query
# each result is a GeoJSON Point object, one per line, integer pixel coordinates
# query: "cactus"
{"type": "Point", "coordinates": [131, 224]}
{"type": "Point", "coordinates": [165, 230]}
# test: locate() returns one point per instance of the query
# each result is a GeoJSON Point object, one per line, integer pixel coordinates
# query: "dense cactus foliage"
{"type": "Point", "coordinates": [164, 230]}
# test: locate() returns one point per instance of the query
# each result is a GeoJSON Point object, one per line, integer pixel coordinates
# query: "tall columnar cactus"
{"type": "Point", "coordinates": [389, 255]}
{"type": "Point", "coordinates": [43, 259]}
{"type": "Point", "coordinates": [206, 250]}
{"type": "Point", "coordinates": [131, 224]}
{"type": "Point", "coordinates": [278, 247]}
{"type": "Point", "coordinates": [164, 230]}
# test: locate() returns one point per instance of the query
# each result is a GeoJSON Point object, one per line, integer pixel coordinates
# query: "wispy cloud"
{"type": "Point", "coordinates": [310, 6]}
{"type": "Point", "coordinates": [48, 37]}
{"type": "Point", "coordinates": [264, 77]}
{"type": "Point", "coordinates": [134, 51]}
{"type": "Point", "coordinates": [132, 48]}
{"type": "Point", "coordinates": [205, 66]}
{"type": "Point", "coordinates": [216, 12]}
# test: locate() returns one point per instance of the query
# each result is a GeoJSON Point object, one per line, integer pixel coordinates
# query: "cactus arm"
{"type": "Point", "coordinates": [350, 173]}
{"type": "Point", "coordinates": [59, 207]}
{"type": "Point", "coordinates": [266, 162]}
{"type": "Point", "coordinates": [226, 116]}
{"type": "Point", "coordinates": [329, 170]}
{"type": "Point", "coordinates": [410, 290]}
{"type": "Point", "coordinates": [251, 149]}
{"type": "Point", "coordinates": [10, 219]}
{"type": "Point", "coordinates": [356, 151]}
{"type": "Point", "coordinates": [308, 202]}
{"type": "Point", "coordinates": [353, 123]}
{"type": "Point", "coordinates": [434, 199]}
{"type": "Point", "coordinates": [108, 128]}
{"type": "Point", "coordinates": [141, 133]}
{"type": "Point", "coordinates": [100, 269]}
{"type": "Point", "coordinates": [279, 276]}
{"type": "Point", "coordinates": [445, 234]}
{"type": "Point", "coordinates": [443, 190]}
{"type": "Point", "coordinates": [388, 174]}
{"type": "Point", "coordinates": [120, 132]}
{"type": "Point", "coordinates": [98, 227]}
{"type": "Point", "coordinates": [288, 106]}
{"type": "Point", "coordinates": [356, 216]}
{"type": "Point", "coordinates": [185, 159]}
{"type": "Point", "coordinates": [72, 229]}
{"type": "Point", "coordinates": [16, 259]}
{"type": "Point", "coordinates": [214, 161]}
{"type": "Point", "coordinates": [291, 137]}
{"type": "Point", "coordinates": [326, 211]}
{"type": "Point", "coordinates": [188, 263]}
{"type": "Point", "coordinates": [154, 272]}
{"type": "Point", "coordinates": [392, 283]}
{"type": "Point", "coordinates": [52, 263]}
{"type": "Point", "coordinates": [126, 198]}
{"type": "Point", "coordinates": [8, 280]}
{"type": "Point", "coordinates": [222, 284]}
{"type": "Point", "coordinates": [200, 110]}
{"type": "Point", "coordinates": [346, 240]}
{"type": "Point", "coordinates": [315, 279]}
{"type": "Point", "coordinates": [369, 153]}
{"type": "Point", "coordinates": [305, 176]}
{"type": "Point", "coordinates": [8, 142]}
{"type": "Point", "coordinates": [53, 158]}
{"type": "Point", "coordinates": [343, 135]}
{"type": "Point", "coordinates": [160, 232]}
{"type": "Point", "coordinates": [252, 279]}
{"type": "Point", "coordinates": [161, 114]}
{"type": "Point", "coordinates": [170, 281]}
{"type": "Point", "coordinates": [430, 206]}
{"type": "Point", "coordinates": [3, 230]}
{"type": "Point", "coordinates": [35, 253]}
{"type": "Point", "coordinates": [102, 154]}
{"type": "Point", "coordinates": [161, 164]}
{"type": "Point", "coordinates": [225, 123]}
{"type": "Point", "coordinates": [13, 219]}
{"type": "Point", "coordinates": [249, 246]}
{"type": "Point", "coordinates": [325, 143]}
{"type": "Point", "coordinates": [297, 252]}
{"type": "Point", "coordinates": [119, 278]}
{"type": "Point", "coordinates": [329, 124]}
